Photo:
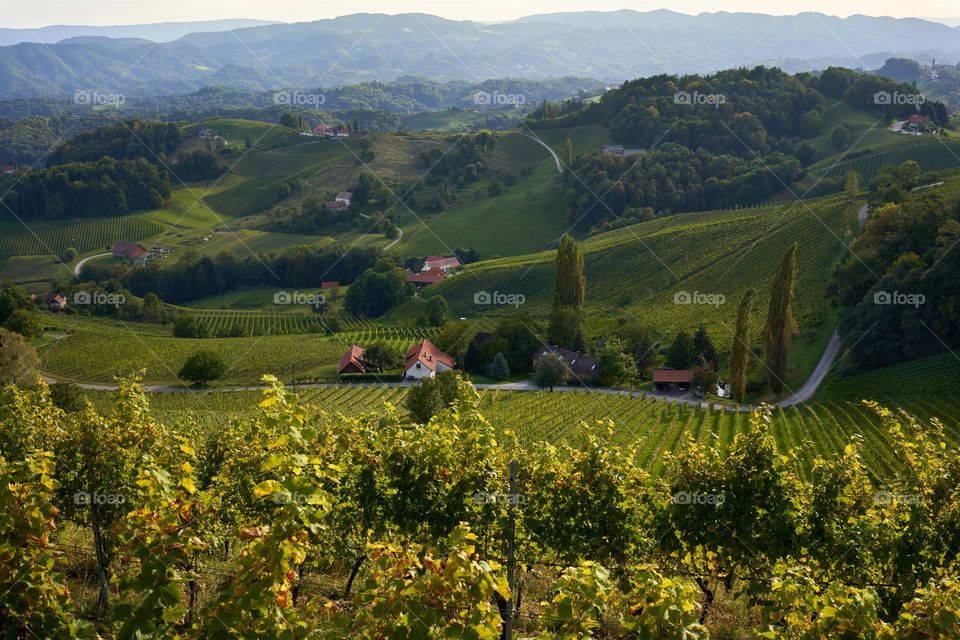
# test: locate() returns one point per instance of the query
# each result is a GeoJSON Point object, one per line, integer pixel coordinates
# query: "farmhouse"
{"type": "Point", "coordinates": [335, 205]}
{"type": "Point", "coordinates": [323, 130]}
{"type": "Point", "coordinates": [424, 360]}
{"type": "Point", "coordinates": [446, 263]}
{"type": "Point", "coordinates": [619, 150]}
{"type": "Point", "coordinates": [344, 197]}
{"type": "Point", "coordinates": [128, 251]}
{"type": "Point", "coordinates": [584, 368]}
{"type": "Point", "coordinates": [352, 361]}
{"type": "Point", "coordinates": [330, 284]}
{"type": "Point", "coordinates": [672, 379]}
{"type": "Point", "coordinates": [7, 169]}
{"type": "Point", "coordinates": [206, 133]}
{"type": "Point", "coordinates": [426, 278]}
{"type": "Point", "coordinates": [55, 301]}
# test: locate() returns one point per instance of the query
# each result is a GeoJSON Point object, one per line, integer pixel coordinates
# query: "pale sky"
{"type": "Point", "coordinates": [36, 13]}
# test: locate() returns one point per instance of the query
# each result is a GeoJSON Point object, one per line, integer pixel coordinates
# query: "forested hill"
{"type": "Point", "coordinates": [732, 138]}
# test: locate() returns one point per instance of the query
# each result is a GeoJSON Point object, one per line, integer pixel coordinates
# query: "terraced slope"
{"type": "Point", "coordinates": [649, 271]}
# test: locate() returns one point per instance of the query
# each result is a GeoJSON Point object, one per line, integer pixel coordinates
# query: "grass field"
{"type": "Point", "coordinates": [283, 343]}
{"type": "Point", "coordinates": [528, 216]}
{"type": "Point", "coordinates": [820, 428]}
{"type": "Point", "coordinates": [865, 129]}
{"type": "Point", "coordinates": [450, 120]}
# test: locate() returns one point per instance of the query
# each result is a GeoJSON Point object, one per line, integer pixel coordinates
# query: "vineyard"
{"type": "Point", "coordinates": [821, 428]}
{"type": "Point", "coordinates": [932, 154]}
{"type": "Point", "coordinates": [86, 234]}
{"type": "Point", "coordinates": [293, 521]}
{"type": "Point", "coordinates": [287, 346]}
{"type": "Point", "coordinates": [641, 270]}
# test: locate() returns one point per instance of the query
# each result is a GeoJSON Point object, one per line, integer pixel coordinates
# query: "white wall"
{"type": "Point", "coordinates": [418, 373]}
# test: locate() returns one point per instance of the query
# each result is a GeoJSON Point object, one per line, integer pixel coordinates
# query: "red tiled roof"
{"type": "Point", "coordinates": [128, 250]}
{"type": "Point", "coordinates": [430, 276]}
{"type": "Point", "coordinates": [915, 119]}
{"type": "Point", "coordinates": [441, 262]}
{"type": "Point", "coordinates": [673, 376]}
{"type": "Point", "coordinates": [429, 355]}
{"type": "Point", "coordinates": [352, 361]}
{"type": "Point", "coordinates": [330, 284]}
{"type": "Point", "coordinates": [336, 204]}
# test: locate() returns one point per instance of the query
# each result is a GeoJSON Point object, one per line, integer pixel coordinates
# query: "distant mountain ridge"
{"type": "Point", "coordinates": [156, 32]}
{"type": "Point", "coordinates": [609, 46]}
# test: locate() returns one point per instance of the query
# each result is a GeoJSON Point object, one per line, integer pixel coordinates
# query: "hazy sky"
{"type": "Point", "coordinates": [34, 13]}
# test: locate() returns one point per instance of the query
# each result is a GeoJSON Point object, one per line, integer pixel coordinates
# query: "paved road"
{"type": "Point", "coordinates": [553, 153]}
{"type": "Point", "coordinates": [76, 269]}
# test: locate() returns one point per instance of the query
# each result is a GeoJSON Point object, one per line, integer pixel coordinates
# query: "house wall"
{"type": "Point", "coordinates": [420, 373]}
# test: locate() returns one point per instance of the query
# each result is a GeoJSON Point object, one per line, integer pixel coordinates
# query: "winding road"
{"type": "Point", "coordinates": [553, 153]}
{"type": "Point", "coordinates": [76, 269]}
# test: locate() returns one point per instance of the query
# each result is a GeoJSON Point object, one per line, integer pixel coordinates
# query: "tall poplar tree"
{"type": "Point", "coordinates": [740, 357]}
{"type": "Point", "coordinates": [571, 283]}
{"type": "Point", "coordinates": [781, 325]}
{"type": "Point", "coordinates": [566, 317]}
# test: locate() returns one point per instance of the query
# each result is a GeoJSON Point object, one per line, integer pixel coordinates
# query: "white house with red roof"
{"type": "Point", "coordinates": [447, 263]}
{"type": "Point", "coordinates": [425, 360]}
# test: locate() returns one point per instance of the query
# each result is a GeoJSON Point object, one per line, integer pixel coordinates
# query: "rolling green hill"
{"type": "Point", "coordinates": [636, 272]}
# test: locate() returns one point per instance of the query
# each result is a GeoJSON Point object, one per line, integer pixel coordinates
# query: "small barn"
{"type": "Point", "coordinates": [673, 379]}
{"type": "Point", "coordinates": [352, 361]}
